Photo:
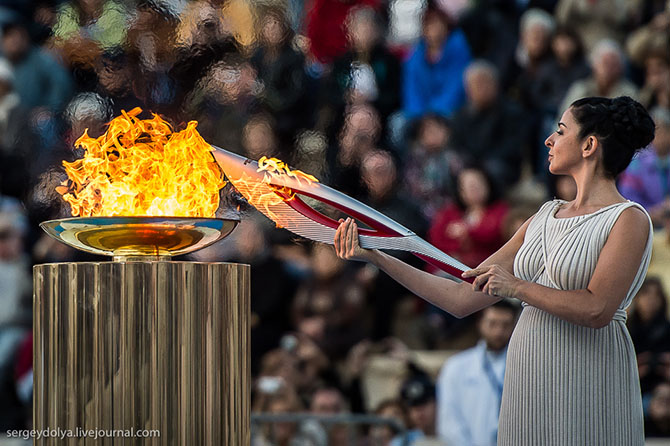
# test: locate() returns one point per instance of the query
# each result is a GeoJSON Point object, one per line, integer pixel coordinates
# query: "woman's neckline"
{"type": "Point", "coordinates": [556, 208]}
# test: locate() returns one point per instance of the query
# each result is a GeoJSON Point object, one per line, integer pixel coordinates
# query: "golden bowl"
{"type": "Point", "coordinates": [127, 238]}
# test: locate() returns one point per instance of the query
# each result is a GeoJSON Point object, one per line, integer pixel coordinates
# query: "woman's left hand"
{"type": "Point", "coordinates": [494, 280]}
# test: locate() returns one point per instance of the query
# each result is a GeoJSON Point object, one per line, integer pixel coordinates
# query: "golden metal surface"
{"type": "Point", "coordinates": [142, 345]}
{"type": "Point", "coordinates": [139, 236]}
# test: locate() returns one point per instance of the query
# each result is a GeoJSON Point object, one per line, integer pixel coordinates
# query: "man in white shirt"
{"type": "Point", "coordinates": [469, 388]}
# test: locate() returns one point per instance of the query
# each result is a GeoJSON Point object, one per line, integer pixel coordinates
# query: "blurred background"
{"type": "Point", "coordinates": [434, 112]}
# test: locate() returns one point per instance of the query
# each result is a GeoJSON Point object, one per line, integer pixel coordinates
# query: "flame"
{"type": "Point", "coordinates": [264, 194]}
{"type": "Point", "coordinates": [141, 168]}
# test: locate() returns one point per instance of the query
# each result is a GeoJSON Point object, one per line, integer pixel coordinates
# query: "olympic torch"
{"type": "Point", "coordinates": [274, 189]}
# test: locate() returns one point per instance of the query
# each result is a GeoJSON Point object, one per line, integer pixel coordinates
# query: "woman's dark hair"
{"type": "Point", "coordinates": [488, 179]}
{"type": "Point", "coordinates": [622, 126]}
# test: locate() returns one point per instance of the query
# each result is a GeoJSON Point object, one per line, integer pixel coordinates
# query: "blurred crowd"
{"type": "Point", "coordinates": [433, 112]}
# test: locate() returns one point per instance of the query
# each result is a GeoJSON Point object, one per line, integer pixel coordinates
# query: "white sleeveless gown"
{"type": "Point", "coordinates": [567, 384]}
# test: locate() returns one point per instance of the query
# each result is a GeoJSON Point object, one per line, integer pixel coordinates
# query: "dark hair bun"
{"type": "Point", "coordinates": [631, 122]}
{"type": "Point", "coordinates": [622, 125]}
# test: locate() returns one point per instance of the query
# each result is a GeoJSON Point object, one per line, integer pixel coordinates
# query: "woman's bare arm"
{"type": "Point", "coordinates": [459, 299]}
{"type": "Point", "coordinates": [594, 306]}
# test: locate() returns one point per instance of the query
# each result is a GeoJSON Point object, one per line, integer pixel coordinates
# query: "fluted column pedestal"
{"type": "Point", "coordinates": [132, 350]}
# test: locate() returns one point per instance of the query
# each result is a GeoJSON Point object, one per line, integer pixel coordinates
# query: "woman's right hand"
{"type": "Point", "coordinates": [346, 242]}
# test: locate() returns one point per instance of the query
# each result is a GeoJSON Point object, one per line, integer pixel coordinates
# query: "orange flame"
{"type": "Point", "coordinates": [141, 168]}
{"type": "Point", "coordinates": [262, 194]}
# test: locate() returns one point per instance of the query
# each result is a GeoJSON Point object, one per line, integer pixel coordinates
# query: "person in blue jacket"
{"type": "Point", "coordinates": [433, 74]}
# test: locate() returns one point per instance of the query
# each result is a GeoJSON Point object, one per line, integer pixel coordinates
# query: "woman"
{"type": "Point", "coordinates": [571, 372]}
{"type": "Point", "coordinates": [470, 227]}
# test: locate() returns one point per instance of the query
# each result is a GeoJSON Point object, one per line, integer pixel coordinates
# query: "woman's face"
{"type": "Point", "coordinates": [473, 188]}
{"type": "Point", "coordinates": [564, 145]}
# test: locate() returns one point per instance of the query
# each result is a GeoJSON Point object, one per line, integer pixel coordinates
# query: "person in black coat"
{"type": "Point", "coordinates": [489, 129]}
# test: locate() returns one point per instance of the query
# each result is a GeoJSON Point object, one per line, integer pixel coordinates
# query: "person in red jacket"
{"type": "Point", "coordinates": [470, 228]}
{"type": "Point", "coordinates": [326, 28]}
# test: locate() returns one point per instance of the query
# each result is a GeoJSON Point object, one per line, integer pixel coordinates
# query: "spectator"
{"type": "Point", "coordinates": [657, 422]}
{"type": "Point", "coordinates": [12, 115]}
{"type": "Point", "coordinates": [104, 22]}
{"type": "Point", "coordinates": [281, 75]}
{"type": "Point", "coordinates": [85, 112]}
{"type": "Point", "coordinates": [379, 174]}
{"type": "Point", "coordinates": [259, 138]}
{"type": "Point", "coordinates": [367, 72]}
{"type": "Point", "coordinates": [203, 41]}
{"type": "Point", "coordinates": [650, 331]}
{"type": "Point", "coordinates": [15, 318]}
{"type": "Point", "coordinates": [551, 84]}
{"type": "Point", "coordinates": [274, 396]}
{"type": "Point", "coordinates": [39, 80]}
{"type": "Point", "coordinates": [206, 21]}
{"type": "Point", "coordinates": [653, 38]}
{"type": "Point", "coordinates": [382, 434]}
{"type": "Point", "coordinates": [327, 401]}
{"type": "Point", "coordinates": [418, 396]}
{"type": "Point", "coordinates": [223, 101]}
{"type": "Point", "coordinates": [300, 363]}
{"type": "Point", "coordinates": [647, 178]}
{"type": "Point", "coordinates": [325, 27]}
{"type": "Point", "coordinates": [470, 227]}
{"type": "Point", "coordinates": [656, 89]}
{"type": "Point", "coordinates": [151, 41]}
{"type": "Point", "coordinates": [532, 53]}
{"type": "Point", "coordinates": [491, 29]}
{"type": "Point", "coordinates": [595, 21]}
{"type": "Point", "coordinates": [469, 388]}
{"type": "Point", "coordinates": [607, 78]}
{"type": "Point", "coordinates": [433, 74]}
{"type": "Point", "coordinates": [116, 81]}
{"type": "Point", "coordinates": [489, 129]}
{"type": "Point", "coordinates": [16, 137]}
{"type": "Point", "coordinates": [330, 401]}
{"type": "Point", "coordinates": [359, 136]}
{"type": "Point", "coordinates": [556, 76]}
{"type": "Point", "coordinates": [431, 165]}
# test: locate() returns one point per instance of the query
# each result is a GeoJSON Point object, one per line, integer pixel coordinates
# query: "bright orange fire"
{"type": "Point", "coordinates": [262, 194]}
{"type": "Point", "coordinates": [141, 168]}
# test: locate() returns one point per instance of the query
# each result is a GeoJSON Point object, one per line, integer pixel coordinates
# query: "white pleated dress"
{"type": "Point", "coordinates": [567, 384]}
